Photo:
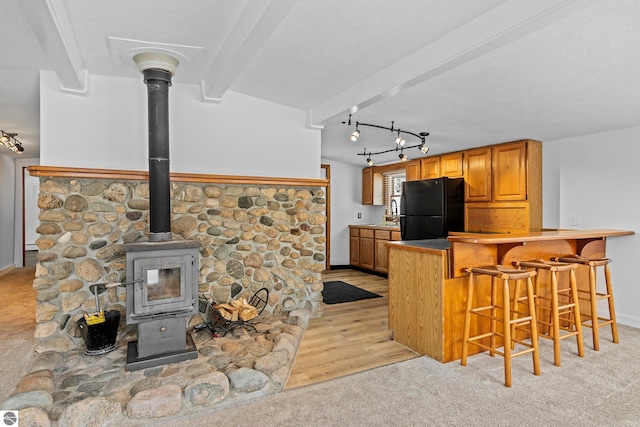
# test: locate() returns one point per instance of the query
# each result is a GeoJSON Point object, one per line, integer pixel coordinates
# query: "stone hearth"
{"type": "Point", "coordinates": [68, 388]}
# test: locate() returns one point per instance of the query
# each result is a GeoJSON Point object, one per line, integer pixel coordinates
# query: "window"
{"type": "Point", "coordinates": [392, 190]}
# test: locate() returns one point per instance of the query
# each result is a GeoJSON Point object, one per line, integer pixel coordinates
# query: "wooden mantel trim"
{"type": "Point", "coordinates": [56, 171]}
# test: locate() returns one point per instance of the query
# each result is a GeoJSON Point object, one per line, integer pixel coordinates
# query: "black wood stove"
{"type": "Point", "coordinates": [162, 274]}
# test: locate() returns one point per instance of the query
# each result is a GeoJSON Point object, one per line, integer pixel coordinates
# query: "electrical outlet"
{"type": "Point", "coordinates": [573, 220]}
{"type": "Point", "coordinates": [359, 215]}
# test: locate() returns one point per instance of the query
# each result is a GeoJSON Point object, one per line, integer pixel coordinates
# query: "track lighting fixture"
{"type": "Point", "coordinates": [9, 140]}
{"type": "Point", "coordinates": [399, 140]}
{"type": "Point", "coordinates": [355, 134]}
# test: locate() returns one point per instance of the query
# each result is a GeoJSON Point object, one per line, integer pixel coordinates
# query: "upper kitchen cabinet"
{"type": "Point", "coordinates": [451, 165]}
{"type": "Point", "coordinates": [509, 169]}
{"type": "Point", "coordinates": [503, 187]}
{"type": "Point", "coordinates": [430, 167]}
{"type": "Point", "coordinates": [413, 170]}
{"type": "Point", "coordinates": [372, 182]}
{"type": "Point", "coordinates": [478, 175]}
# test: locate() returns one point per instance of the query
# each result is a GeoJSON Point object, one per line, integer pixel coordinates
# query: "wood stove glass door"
{"type": "Point", "coordinates": [164, 285]}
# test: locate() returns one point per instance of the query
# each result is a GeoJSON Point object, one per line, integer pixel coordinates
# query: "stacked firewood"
{"type": "Point", "coordinates": [239, 309]}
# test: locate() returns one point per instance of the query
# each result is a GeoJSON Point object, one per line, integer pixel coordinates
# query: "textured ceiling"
{"type": "Point", "coordinates": [470, 73]}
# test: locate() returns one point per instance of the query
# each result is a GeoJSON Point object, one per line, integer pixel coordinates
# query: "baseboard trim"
{"type": "Point", "coordinates": [351, 267]}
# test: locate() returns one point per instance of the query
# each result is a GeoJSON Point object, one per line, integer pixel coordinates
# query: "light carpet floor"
{"type": "Point", "coordinates": [601, 389]}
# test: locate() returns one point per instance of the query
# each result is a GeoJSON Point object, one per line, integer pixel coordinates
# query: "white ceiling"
{"type": "Point", "coordinates": [470, 73]}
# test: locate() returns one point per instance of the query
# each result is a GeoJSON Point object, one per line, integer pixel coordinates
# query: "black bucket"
{"type": "Point", "coordinates": [100, 338]}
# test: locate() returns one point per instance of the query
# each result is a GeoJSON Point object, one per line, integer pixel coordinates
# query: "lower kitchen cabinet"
{"type": "Point", "coordinates": [367, 247]}
{"type": "Point", "coordinates": [367, 252]}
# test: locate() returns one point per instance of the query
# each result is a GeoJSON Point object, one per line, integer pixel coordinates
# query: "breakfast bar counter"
{"type": "Point", "coordinates": [427, 279]}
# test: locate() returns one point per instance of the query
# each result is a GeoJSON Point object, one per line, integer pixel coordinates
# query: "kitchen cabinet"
{"type": "Point", "coordinates": [503, 187]}
{"type": "Point", "coordinates": [382, 256]}
{"type": "Point", "coordinates": [451, 165]}
{"type": "Point", "coordinates": [430, 167]}
{"type": "Point", "coordinates": [478, 175]}
{"type": "Point", "coordinates": [354, 247]}
{"type": "Point", "coordinates": [367, 247]}
{"type": "Point", "coordinates": [413, 170]}
{"type": "Point", "coordinates": [372, 182]}
{"type": "Point", "coordinates": [509, 173]}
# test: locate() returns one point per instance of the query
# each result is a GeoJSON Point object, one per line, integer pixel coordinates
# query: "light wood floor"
{"type": "Point", "coordinates": [349, 337]}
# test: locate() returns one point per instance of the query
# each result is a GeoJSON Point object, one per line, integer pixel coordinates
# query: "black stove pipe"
{"type": "Point", "coordinates": [158, 82]}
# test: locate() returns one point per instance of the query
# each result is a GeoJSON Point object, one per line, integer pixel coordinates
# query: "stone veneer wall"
{"type": "Point", "coordinates": [252, 236]}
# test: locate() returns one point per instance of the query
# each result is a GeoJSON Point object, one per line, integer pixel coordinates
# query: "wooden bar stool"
{"type": "Point", "coordinates": [592, 320]}
{"type": "Point", "coordinates": [565, 316]}
{"type": "Point", "coordinates": [509, 317]}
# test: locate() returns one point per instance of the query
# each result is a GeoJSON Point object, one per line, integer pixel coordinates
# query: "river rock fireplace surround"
{"type": "Point", "coordinates": [253, 232]}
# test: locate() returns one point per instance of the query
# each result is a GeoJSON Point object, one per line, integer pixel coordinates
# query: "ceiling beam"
{"type": "Point", "coordinates": [499, 26]}
{"type": "Point", "coordinates": [50, 23]}
{"type": "Point", "coordinates": [257, 22]}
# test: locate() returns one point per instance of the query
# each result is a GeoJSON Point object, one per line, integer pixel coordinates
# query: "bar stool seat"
{"type": "Point", "coordinates": [510, 318]}
{"type": "Point", "coordinates": [592, 319]}
{"type": "Point", "coordinates": [563, 316]}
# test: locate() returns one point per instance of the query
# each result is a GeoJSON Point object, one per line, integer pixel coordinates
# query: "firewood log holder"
{"type": "Point", "coordinates": [222, 326]}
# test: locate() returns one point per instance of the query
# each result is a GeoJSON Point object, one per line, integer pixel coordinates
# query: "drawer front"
{"type": "Point", "coordinates": [366, 232]}
{"type": "Point", "coordinates": [355, 232]}
{"type": "Point", "coordinates": [395, 235]}
{"type": "Point", "coordinates": [383, 234]}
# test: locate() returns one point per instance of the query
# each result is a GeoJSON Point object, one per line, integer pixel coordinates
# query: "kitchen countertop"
{"type": "Point", "coordinates": [426, 245]}
{"type": "Point", "coordinates": [496, 238]}
{"type": "Point", "coordinates": [381, 226]}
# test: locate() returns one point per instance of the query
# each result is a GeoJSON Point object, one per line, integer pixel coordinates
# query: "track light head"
{"type": "Point", "coordinates": [424, 148]}
{"type": "Point", "coordinates": [403, 157]}
{"type": "Point", "coordinates": [369, 161]}
{"type": "Point", "coordinates": [355, 135]}
{"type": "Point", "coordinates": [399, 140]}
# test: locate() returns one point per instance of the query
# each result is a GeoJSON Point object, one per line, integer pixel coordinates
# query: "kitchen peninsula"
{"type": "Point", "coordinates": [427, 281]}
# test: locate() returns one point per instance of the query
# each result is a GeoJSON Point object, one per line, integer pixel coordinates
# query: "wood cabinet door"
{"type": "Point", "coordinates": [430, 167]}
{"type": "Point", "coordinates": [509, 172]}
{"type": "Point", "coordinates": [451, 165]}
{"type": "Point", "coordinates": [413, 170]}
{"type": "Point", "coordinates": [478, 175]}
{"type": "Point", "coordinates": [382, 260]}
{"type": "Point", "coordinates": [367, 186]}
{"type": "Point", "coordinates": [354, 251]}
{"type": "Point", "coordinates": [367, 253]}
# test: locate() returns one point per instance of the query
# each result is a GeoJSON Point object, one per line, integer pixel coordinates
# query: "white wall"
{"type": "Point", "coordinates": [108, 129]}
{"type": "Point", "coordinates": [7, 203]}
{"type": "Point", "coordinates": [596, 181]}
{"type": "Point", "coordinates": [346, 202]}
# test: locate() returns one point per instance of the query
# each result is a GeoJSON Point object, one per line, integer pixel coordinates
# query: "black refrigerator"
{"type": "Point", "coordinates": [431, 208]}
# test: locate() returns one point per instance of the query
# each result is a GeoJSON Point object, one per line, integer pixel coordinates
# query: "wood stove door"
{"type": "Point", "coordinates": [165, 286]}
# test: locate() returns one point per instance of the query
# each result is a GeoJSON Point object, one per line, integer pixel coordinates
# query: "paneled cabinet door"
{"type": "Point", "coordinates": [478, 175]}
{"type": "Point", "coordinates": [367, 186]}
{"type": "Point", "coordinates": [509, 172]}
{"type": "Point", "coordinates": [430, 167]}
{"type": "Point", "coordinates": [382, 260]}
{"type": "Point", "coordinates": [451, 165]}
{"type": "Point", "coordinates": [367, 253]}
{"type": "Point", "coordinates": [354, 251]}
{"type": "Point", "coordinates": [413, 170]}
